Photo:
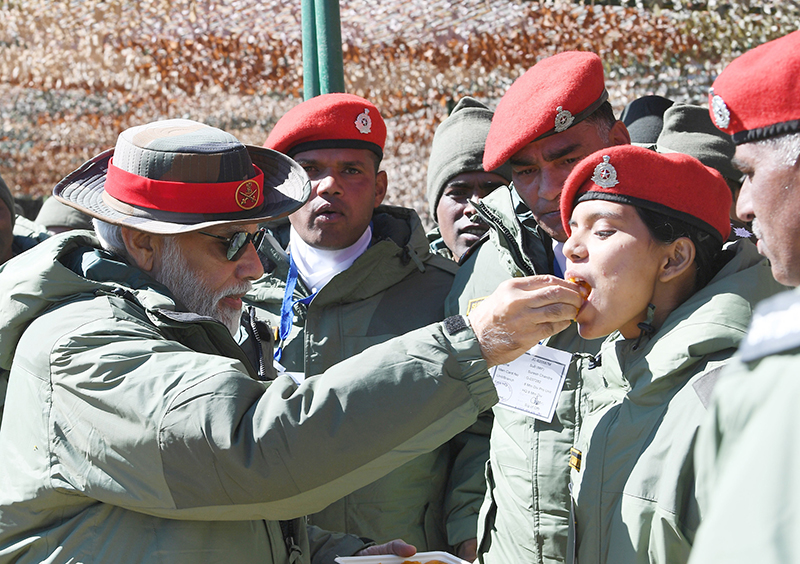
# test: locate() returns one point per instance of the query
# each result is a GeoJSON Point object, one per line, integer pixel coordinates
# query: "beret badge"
{"type": "Point", "coordinates": [564, 119]}
{"type": "Point", "coordinates": [605, 175]}
{"type": "Point", "coordinates": [722, 116]}
{"type": "Point", "coordinates": [364, 122]}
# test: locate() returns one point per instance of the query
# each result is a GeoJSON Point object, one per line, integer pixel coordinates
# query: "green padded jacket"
{"type": "Point", "coordinates": [136, 432]}
{"type": "Point", "coordinates": [634, 492]}
{"type": "Point", "coordinates": [746, 451]}
{"type": "Point", "coordinates": [525, 515]}
{"type": "Point", "coordinates": [396, 286]}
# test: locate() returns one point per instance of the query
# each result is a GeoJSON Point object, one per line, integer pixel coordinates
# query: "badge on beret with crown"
{"type": "Point", "coordinates": [564, 119]}
{"type": "Point", "coordinates": [722, 116]}
{"type": "Point", "coordinates": [605, 175]}
{"type": "Point", "coordinates": [364, 122]}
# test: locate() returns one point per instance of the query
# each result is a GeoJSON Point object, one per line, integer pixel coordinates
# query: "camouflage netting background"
{"type": "Point", "coordinates": [73, 74]}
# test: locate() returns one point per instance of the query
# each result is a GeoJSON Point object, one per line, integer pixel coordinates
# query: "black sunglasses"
{"type": "Point", "coordinates": [237, 243]}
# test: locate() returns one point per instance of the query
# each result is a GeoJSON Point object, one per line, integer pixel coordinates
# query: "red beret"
{"type": "Point", "coordinates": [554, 94]}
{"type": "Point", "coordinates": [329, 121]}
{"type": "Point", "coordinates": [673, 184]}
{"type": "Point", "coordinates": [757, 95]}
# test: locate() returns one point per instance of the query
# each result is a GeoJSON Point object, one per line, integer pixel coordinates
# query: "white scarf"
{"type": "Point", "coordinates": [318, 266]}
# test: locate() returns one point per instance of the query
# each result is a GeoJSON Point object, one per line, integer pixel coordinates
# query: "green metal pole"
{"type": "Point", "coordinates": [329, 46]}
{"type": "Point", "coordinates": [310, 64]}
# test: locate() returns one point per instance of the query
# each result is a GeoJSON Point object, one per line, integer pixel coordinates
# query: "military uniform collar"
{"type": "Point", "coordinates": [775, 327]}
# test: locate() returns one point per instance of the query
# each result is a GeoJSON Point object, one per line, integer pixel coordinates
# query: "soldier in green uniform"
{"type": "Point", "coordinates": [553, 116]}
{"type": "Point", "coordinates": [457, 179]}
{"type": "Point", "coordinates": [746, 452]}
{"type": "Point", "coordinates": [646, 235]}
{"type": "Point", "coordinates": [137, 430]}
{"type": "Point", "coordinates": [346, 273]}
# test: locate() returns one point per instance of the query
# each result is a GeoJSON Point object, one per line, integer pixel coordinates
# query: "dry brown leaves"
{"type": "Point", "coordinates": [74, 74]}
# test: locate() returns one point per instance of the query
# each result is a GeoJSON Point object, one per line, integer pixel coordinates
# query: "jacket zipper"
{"type": "Point", "coordinates": [262, 370]}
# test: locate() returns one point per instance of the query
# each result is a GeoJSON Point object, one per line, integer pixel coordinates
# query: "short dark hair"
{"type": "Point", "coordinates": [603, 119]}
{"type": "Point", "coordinates": [709, 257]}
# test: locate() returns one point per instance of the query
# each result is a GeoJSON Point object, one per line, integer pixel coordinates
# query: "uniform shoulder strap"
{"type": "Point", "coordinates": [775, 327]}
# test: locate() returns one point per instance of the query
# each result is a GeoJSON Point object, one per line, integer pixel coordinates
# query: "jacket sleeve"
{"type": "Point", "coordinates": [325, 545]}
{"type": "Point", "coordinates": [179, 434]}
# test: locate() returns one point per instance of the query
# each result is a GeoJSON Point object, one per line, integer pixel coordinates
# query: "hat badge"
{"type": "Point", "coordinates": [605, 175]}
{"type": "Point", "coordinates": [722, 115]}
{"type": "Point", "coordinates": [364, 122]}
{"type": "Point", "coordinates": [247, 194]}
{"type": "Point", "coordinates": [564, 119]}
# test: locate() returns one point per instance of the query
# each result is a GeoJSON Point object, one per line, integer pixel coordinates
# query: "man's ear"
{"type": "Point", "coordinates": [619, 135]}
{"type": "Point", "coordinates": [141, 247]}
{"type": "Point", "coordinates": [381, 183]}
{"type": "Point", "coordinates": [678, 260]}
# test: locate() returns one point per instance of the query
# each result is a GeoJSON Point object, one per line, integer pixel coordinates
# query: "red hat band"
{"type": "Point", "coordinates": [184, 197]}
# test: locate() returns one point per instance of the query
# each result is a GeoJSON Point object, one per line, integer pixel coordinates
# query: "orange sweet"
{"type": "Point", "coordinates": [582, 283]}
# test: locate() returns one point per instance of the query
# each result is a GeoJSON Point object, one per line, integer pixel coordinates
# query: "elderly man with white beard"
{"type": "Point", "coordinates": [137, 430]}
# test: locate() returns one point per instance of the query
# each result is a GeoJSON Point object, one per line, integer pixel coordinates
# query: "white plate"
{"type": "Point", "coordinates": [421, 557]}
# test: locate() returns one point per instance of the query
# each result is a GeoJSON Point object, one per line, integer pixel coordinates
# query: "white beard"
{"type": "Point", "coordinates": [757, 229]}
{"type": "Point", "coordinates": [191, 291]}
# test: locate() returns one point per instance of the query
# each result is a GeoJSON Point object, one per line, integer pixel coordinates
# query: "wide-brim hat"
{"type": "Point", "coordinates": [177, 176]}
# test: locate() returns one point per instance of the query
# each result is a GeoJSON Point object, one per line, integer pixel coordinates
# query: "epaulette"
{"type": "Point", "coordinates": [775, 327]}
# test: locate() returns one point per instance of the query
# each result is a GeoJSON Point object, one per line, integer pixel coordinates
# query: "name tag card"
{"type": "Point", "coordinates": [530, 385]}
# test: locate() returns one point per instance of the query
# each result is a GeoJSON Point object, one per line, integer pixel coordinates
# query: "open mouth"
{"type": "Point", "coordinates": [326, 210]}
{"type": "Point", "coordinates": [586, 290]}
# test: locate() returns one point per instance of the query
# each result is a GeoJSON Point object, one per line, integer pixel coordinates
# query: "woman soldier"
{"type": "Point", "coordinates": [646, 233]}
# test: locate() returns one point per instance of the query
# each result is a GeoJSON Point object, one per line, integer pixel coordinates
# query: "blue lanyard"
{"type": "Point", "coordinates": [287, 305]}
